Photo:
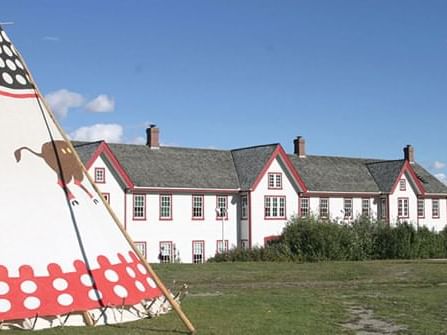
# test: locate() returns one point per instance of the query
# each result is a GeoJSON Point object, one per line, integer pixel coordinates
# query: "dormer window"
{"type": "Point", "coordinates": [275, 181]}
{"type": "Point", "coordinates": [403, 185]}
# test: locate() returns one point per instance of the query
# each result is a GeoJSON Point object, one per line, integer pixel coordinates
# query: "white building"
{"type": "Point", "coordinates": [184, 204]}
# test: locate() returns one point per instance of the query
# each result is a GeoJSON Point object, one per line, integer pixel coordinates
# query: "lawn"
{"type": "Point", "coordinates": [407, 297]}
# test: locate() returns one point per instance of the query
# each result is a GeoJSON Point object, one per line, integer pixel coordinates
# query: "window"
{"type": "Point", "coordinates": [275, 207]}
{"type": "Point", "coordinates": [244, 244]}
{"type": "Point", "coordinates": [221, 247]}
{"type": "Point", "coordinates": [166, 252]}
{"type": "Point", "coordinates": [165, 207]}
{"type": "Point", "coordinates": [348, 208]}
{"type": "Point", "coordinates": [366, 207]}
{"type": "Point", "coordinates": [324, 208]}
{"type": "Point", "coordinates": [383, 211]}
{"type": "Point", "coordinates": [402, 185]}
{"type": "Point", "coordinates": [244, 207]}
{"type": "Point", "coordinates": [197, 207]}
{"type": "Point", "coordinates": [275, 180]}
{"type": "Point", "coordinates": [435, 208]}
{"type": "Point", "coordinates": [198, 251]}
{"type": "Point", "coordinates": [402, 207]}
{"type": "Point", "coordinates": [139, 206]}
{"type": "Point", "coordinates": [304, 207]}
{"type": "Point", "coordinates": [106, 197]}
{"type": "Point", "coordinates": [100, 175]}
{"type": "Point", "coordinates": [222, 207]}
{"type": "Point", "coordinates": [141, 247]}
{"type": "Point", "coordinates": [421, 208]}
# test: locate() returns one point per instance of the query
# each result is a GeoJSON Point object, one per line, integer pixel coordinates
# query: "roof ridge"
{"type": "Point", "coordinates": [255, 146]}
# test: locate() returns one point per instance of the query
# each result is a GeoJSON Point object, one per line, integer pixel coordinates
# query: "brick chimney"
{"type": "Point", "coordinates": [409, 153]}
{"type": "Point", "coordinates": [153, 137]}
{"type": "Point", "coordinates": [300, 146]}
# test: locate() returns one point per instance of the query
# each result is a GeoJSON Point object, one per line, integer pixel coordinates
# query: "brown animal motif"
{"type": "Point", "coordinates": [60, 158]}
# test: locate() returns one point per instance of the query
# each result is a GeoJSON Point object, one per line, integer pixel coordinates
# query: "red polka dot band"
{"type": "Point", "coordinates": [122, 284]}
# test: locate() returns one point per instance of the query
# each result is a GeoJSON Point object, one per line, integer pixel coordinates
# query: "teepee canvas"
{"type": "Point", "coordinates": [64, 260]}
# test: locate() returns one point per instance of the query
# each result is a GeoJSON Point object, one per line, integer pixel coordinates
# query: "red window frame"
{"type": "Point", "coordinates": [421, 201]}
{"type": "Point", "coordinates": [202, 242]}
{"type": "Point", "coordinates": [435, 215]}
{"type": "Point", "coordinates": [348, 214]}
{"type": "Point", "coordinates": [244, 206]}
{"type": "Point", "coordinates": [225, 245]}
{"type": "Point", "coordinates": [143, 217]}
{"type": "Point", "coordinates": [102, 172]}
{"type": "Point", "coordinates": [302, 201]}
{"type": "Point", "coordinates": [278, 199]}
{"type": "Point", "coordinates": [218, 215]}
{"type": "Point", "coordinates": [274, 180]}
{"type": "Point", "coordinates": [202, 197]}
{"type": "Point", "coordinates": [160, 210]}
{"type": "Point", "coordinates": [328, 210]}
{"type": "Point", "coordinates": [403, 185]}
{"type": "Point", "coordinates": [161, 256]}
{"type": "Point", "coordinates": [401, 209]}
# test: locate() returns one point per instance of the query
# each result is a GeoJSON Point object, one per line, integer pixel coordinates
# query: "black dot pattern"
{"type": "Point", "coordinates": [13, 74]}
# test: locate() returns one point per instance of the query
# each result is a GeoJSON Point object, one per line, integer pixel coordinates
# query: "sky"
{"type": "Point", "coordinates": [355, 78]}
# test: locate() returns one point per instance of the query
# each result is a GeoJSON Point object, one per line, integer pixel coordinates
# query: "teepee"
{"type": "Point", "coordinates": [64, 257]}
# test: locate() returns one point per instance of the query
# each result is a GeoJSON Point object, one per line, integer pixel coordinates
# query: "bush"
{"type": "Point", "coordinates": [312, 239]}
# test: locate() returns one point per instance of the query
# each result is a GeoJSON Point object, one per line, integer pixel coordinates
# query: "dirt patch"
{"type": "Point", "coordinates": [363, 322]}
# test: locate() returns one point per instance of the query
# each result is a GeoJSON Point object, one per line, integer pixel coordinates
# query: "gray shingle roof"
{"type": "Point", "coordinates": [177, 167]}
{"type": "Point", "coordinates": [334, 174]}
{"type": "Point", "coordinates": [174, 167]}
{"type": "Point", "coordinates": [385, 173]}
{"type": "Point", "coordinates": [250, 161]}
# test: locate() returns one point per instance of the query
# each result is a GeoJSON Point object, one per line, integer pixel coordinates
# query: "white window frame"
{"type": "Point", "coordinates": [165, 207]}
{"type": "Point", "coordinates": [421, 208]}
{"type": "Point", "coordinates": [324, 208]}
{"type": "Point", "coordinates": [198, 201]}
{"type": "Point", "coordinates": [274, 180]}
{"type": "Point", "coordinates": [198, 252]}
{"type": "Point", "coordinates": [166, 252]}
{"type": "Point", "coordinates": [435, 210]}
{"type": "Point", "coordinates": [222, 206]}
{"type": "Point", "coordinates": [142, 247]}
{"type": "Point", "coordinates": [403, 211]}
{"type": "Point", "coordinates": [274, 207]}
{"type": "Point", "coordinates": [304, 207]}
{"type": "Point", "coordinates": [244, 206]}
{"type": "Point", "coordinates": [348, 208]}
{"type": "Point", "coordinates": [366, 207]}
{"type": "Point", "coordinates": [219, 245]}
{"type": "Point", "coordinates": [139, 207]}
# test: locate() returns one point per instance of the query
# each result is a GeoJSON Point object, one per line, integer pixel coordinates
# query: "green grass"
{"type": "Point", "coordinates": [288, 298]}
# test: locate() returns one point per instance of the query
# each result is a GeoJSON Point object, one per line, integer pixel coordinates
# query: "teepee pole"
{"type": "Point", "coordinates": [144, 262]}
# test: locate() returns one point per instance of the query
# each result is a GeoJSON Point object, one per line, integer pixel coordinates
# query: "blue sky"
{"type": "Point", "coordinates": [355, 78]}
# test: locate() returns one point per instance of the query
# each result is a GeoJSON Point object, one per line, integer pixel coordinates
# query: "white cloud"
{"type": "Point", "coordinates": [62, 100]}
{"type": "Point", "coordinates": [102, 103]}
{"type": "Point", "coordinates": [437, 165]}
{"type": "Point", "coordinates": [112, 133]}
{"type": "Point", "coordinates": [442, 177]}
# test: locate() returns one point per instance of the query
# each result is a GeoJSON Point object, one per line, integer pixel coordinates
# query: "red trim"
{"type": "Point", "coordinates": [328, 211]}
{"type": "Point", "coordinates": [225, 245]}
{"type": "Point", "coordinates": [403, 216]}
{"type": "Point", "coordinates": [339, 195]}
{"type": "Point", "coordinates": [439, 209]}
{"type": "Point", "coordinates": [144, 208]}
{"type": "Point", "coordinates": [97, 180]}
{"type": "Point", "coordinates": [106, 196]}
{"type": "Point", "coordinates": [271, 208]}
{"type": "Point", "coordinates": [279, 152]}
{"type": "Point", "coordinates": [19, 96]}
{"type": "Point", "coordinates": [104, 148]}
{"type": "Point", "coordinates": [226, 207]}
{"type": "Point", "coordinates": [183, 190]}
{"type": "Point", "coordinates": [203, 250]}
{"type": "Point", "coordinates": [249, 221]}
{"type": "Point", "coordinates": [165, 218]}
{"type": "Point", "coordinates": [274, 174]}
{"type": "Point", "coordinates": [125, 210]}
{"type": "Point", "coordinates": [407, 168]}
{"type": "Point", "coordinates": [417, 207]}
{"type": "Point", "coordinates": [145, 247]}
{"type": "Point", "coordinates": [388, 214]}
{"type": "Point", "coordinates": [198, 218]}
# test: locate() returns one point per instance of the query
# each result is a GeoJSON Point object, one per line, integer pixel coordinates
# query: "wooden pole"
{"type": "Point", "coordinates": [155, 277]}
